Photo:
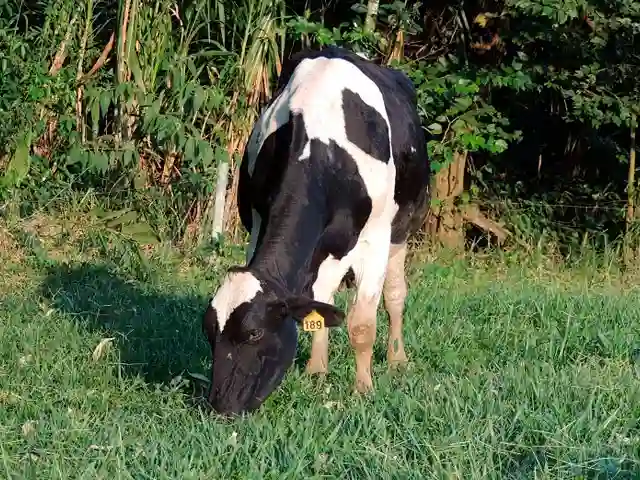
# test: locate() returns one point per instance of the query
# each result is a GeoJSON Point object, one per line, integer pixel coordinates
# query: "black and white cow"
{"type": "Point", "coordinates": [334, 180]}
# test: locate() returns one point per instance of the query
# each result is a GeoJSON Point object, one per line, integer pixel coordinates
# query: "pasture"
{"type": "Point", "coordinates": [518, 369]}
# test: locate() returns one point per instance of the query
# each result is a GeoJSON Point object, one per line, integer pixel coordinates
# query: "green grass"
{"type": "Point", "coordinates": [510, 377]}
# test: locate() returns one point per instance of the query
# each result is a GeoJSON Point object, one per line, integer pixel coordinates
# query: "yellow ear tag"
{"type": "Point", "coordinates": [313, 322]}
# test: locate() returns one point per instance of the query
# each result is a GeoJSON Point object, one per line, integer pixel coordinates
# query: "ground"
{"type": "Point", "coordinates": [516, 371]}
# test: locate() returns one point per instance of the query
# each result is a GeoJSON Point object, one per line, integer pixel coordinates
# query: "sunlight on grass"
{"type": "Point", "coordinates": [509, 378]}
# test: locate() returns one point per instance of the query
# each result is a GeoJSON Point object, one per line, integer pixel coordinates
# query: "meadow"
{"type": "Point", "coordinates": [519, 368]}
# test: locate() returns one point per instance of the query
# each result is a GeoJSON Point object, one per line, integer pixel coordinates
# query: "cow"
{"type": "Point", "coordinates": [333, 181]}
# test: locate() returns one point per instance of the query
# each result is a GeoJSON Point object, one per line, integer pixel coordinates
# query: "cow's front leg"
{"type": "Point", "coordinates": [319, 361]}
{"type": "Point", "coordinates": [330, 274]}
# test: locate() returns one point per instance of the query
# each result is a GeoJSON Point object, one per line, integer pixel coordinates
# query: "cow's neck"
{"type": "Point", "coordinates": [284, 257]}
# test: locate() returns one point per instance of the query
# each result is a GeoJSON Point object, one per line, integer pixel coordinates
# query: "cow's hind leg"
{"type": "Point", "coordinates": [395, 293]}
{"type": "Point", "coordinates": [369, 268]}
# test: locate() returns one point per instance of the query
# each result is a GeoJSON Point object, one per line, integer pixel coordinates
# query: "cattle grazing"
{"type": "Point", "coordinates": [333, 181]}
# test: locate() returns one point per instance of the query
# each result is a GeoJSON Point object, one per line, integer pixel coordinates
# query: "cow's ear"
{"type": "Point", "coordinates": [300, 308]}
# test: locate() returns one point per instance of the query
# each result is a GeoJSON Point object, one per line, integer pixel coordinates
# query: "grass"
{"type": "Point", "coordinates": [514, 374]}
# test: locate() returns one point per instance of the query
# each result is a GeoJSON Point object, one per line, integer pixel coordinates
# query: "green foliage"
{"type": "Point", "coordinates": [586, 51]}
{"type": "Point", "coordinates": [188, 82]}
{"type": "Point", "coordinates": [455, 113]}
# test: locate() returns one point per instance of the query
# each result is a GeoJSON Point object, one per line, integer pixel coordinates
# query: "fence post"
{"type": "Point", "coordinates": [220, 198]}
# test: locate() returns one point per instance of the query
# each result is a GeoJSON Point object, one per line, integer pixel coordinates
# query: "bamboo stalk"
{"type": "Point", "coordinates": [61, 55]}
{"type": "Point", "coordinates": [80, 87]}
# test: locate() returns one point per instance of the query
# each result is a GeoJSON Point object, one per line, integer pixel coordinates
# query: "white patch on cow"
{"type": "Point", "coordinates": [330, 274]}
{"type": "Point", "coordinates": [368, 258]}
{"type": "Point", "coordinates": [256, 222]}
{"type": "Point", "coordinates": [306, 152]}
{"type": "Point", "coordinates": [237, 288]}
{"type": "Point", "coordinates": [413, 149]}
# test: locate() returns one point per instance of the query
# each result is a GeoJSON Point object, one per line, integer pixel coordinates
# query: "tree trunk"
{"type": "Point", "coordinates": [445, 223]}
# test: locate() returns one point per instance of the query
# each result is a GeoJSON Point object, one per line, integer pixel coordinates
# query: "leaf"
{"type": "Point", "coordinates": [95, 112]}
{"type": "Point", "coordinates": [141, 233]}
{"type": "Point", "coordinates": [127, 157]}
{"type": "Point", "coordinates": [199, 97]}
{"type": "Point", "coordinates": [199, 377]}
{"type": "Point", "coordinates": [221, 155]}
{"type": "Point", "coordinates": [501, 145]}
{"type": "Point", "coordinates": [190, 149]}
{"type": "Point", "coordinates": [205, 152]}
{"type": "Point", "coordinates": [129, 217]}
{"type": "Point", "coordinates": [105, 101]}
{"type": "Point", "coordinates": [135, 69]}
{"type": "Point", "coordinates": [101, 349]}
{"type": "Point", "coordinates": [20, 162]}
{"type": "Point", "coordinates": [463, 103]}
{"type": "Point", "coordinates": [108, 216]}
{"type": "Point", "coordinates": [99, 161]}
{"type": "Point", "coordinates": [435, 128]}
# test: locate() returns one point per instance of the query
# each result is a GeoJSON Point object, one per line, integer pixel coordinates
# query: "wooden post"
{"type": "Point", "coordinates": [220, 200]}
{"type": "Point", "coordinates": [631, 181]}
{"type": "Point", "coordinates": [631, 174]}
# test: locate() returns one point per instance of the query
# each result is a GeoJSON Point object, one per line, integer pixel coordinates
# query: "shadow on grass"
{"type": "Point", "coordinates": [158, 334]}
{"type": "Point", "coordinates": [608, 466]}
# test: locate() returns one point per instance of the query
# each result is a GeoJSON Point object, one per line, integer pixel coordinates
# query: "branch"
{"type": "Point", "coordinates": [472, 214]}
{"type": "Point", "coordinates": [103, 58]}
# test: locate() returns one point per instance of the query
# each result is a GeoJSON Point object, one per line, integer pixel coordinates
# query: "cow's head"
{"type": "Point", "coordinates": [253, 337]}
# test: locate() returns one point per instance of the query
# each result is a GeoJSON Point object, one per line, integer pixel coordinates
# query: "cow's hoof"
{"type": "Point", "coordinates": [364, 385]}
{"type": "Point", "coordinates": [398, 362]}
{"type": "Point", "coordinates": [316, 368]}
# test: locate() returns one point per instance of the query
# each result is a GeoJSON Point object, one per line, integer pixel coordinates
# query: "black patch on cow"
{"type": "Point", "coordinates": [347, 201]}
{"type": "Point", "coordinates": [347, 198]}
{"type": "Point", "coordinates": [261, 188]}
{"type": "Point", "coordinates": [210, 323]}
{"type": "Point", "coordinates": [366, 128]}
{"type": "Point", "coordinates": [349, 279]}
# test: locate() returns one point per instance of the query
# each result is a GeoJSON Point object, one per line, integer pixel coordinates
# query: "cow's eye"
{"type": "Point", "coordinates": [255, 335]}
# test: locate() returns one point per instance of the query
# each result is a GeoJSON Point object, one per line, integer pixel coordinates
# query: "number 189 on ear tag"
{"type": "Point", "coordinates": [313, 322]}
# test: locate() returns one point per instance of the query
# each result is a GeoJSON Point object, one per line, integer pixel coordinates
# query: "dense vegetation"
{"type": "Point", "coordinates": [531, 107]}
